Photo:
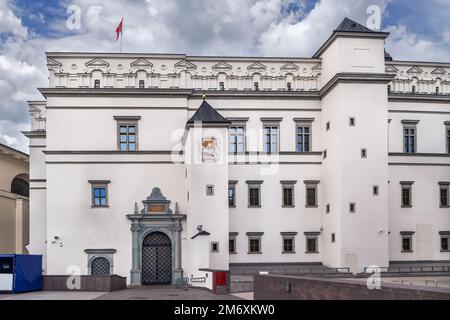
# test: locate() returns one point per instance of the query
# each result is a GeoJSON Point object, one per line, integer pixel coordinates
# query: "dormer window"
{"type": "Point", "coordinates": [97, 84]}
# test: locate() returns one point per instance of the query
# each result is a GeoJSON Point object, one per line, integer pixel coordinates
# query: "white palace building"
{"type": "Point", "coordinates": [158, 167]}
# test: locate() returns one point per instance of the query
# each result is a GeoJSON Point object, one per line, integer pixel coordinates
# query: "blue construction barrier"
{"type": "Point", "coordinates": [20, 273]}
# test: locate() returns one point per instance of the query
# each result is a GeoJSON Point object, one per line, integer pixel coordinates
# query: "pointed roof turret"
{"type": "Point", "coordinates": [350, 28]}
{"type": "Point", "coordinates": [207, 115]}
{"type": "Point", "coordinates": [348, 25]}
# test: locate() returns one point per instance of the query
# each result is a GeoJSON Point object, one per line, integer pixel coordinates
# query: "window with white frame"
{"type": "Point", "coordinates": [406, 194]}
{"type": "Point", "coordinates": [445, 239]}
{"type": "Point", "coordinates": [271, 138]}
{"type": "Point", "coordinates": [410, 136]}
{"type": "Point", "coordinates": [288, 193]}
{"type": "Point", "coordinates": [214, 247]}
{"type": "Point", "coordinates": [99, 193]}
{"type": "Point", "coordinates": [312, 242]}
{"type": "Point", "coordinates": [254, 242]}
{"type": "Point", "coordinates": [127, 132]}
{"type": "Point", "coordinates": [407, 245]}
{"type": "Point", "coordinates": [236, 139]}
{"type": "Point", "coordinates": [232, 242]}
{"type": "Point", "coordinates": [311, 193]}
{"type": "Point", "coordinates": [303, 137]}
{"type": "Point", "coordinates": [444, 194]}
{"type": "Point", "coordinates": [288, 242]}
{"type": "Point", "coordinates": [254, 193]}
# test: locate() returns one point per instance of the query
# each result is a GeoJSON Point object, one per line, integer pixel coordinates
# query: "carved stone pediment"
{"type": "Point", "coordinates": [156, 203]}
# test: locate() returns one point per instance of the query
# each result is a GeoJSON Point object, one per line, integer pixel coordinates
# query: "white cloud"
{"type": "Point", "coordinates": [227, 27]}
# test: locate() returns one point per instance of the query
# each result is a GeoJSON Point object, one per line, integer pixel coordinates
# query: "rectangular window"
{"type": "Point", "coordinates": [141, 84]}
{"type": "Point", "coordinates": [231, 195]}
{"type": "Point", "coordinates": [127, 132]}
{"type": "Point", "coordinates": [445, 237]}
{"type": "Point", "coordinates": [96, 84]}
{"type": "Point", "coordinates": [288, 196]}
{"type": "Point", "coordinates": [352, 207]}
{"type": "Point", "coordinates": [437, 90]}
{"type": "Point", "coordinates": [289, 86]}
{"type": "Point", "coordinates": [254, 244]}
{"type": "Point", "coordinates": [232, 245]}
{"type": "Point", "coordinates": [214, 247]}
{"type": "Point", "coordinates": [311, 196]}
{"type": "Point", "coordinates": [328, 125]}
{"type": "Point", "coordinates": [303, 138]}
{"type": "Point", "coordinates": [256, 86]}
{"type": "Point", "coordinates": [328, 208]}
{"type": "Point", "coordinates": [375, 190]}
{"type": "Point", "coordinates": [99, 193]}
{"type": "Point", "coordinates": [271, 139]}
{"type": "Point", "coordinates": [363, 153]}
{"type": "Point", "coordinates": [444, 195]}
{"type": "Point", "coordinates": [351, 122]}
{"type": "Point", "coordinates": [236, 139]}
{"type": "Point", "coordinates": [221, 86]}
{"type": "Point", "coordinates": [389, 88]}
{"type": "Point", "coordinates": [447, 137]}
{"type": "Point", "coordinates": [407, 243]}
{"type": "Point", "coordinates": [325, 154]}
{"type": "Point", "coordinates": [333, 238]}
{"type": "Point", "coordinates": [253, 197]}
{"type": "Point", "coordinates": [406, 195]}
{"type": "Point", "coordinates": [413, 89]}
{"type": "Point", "coordinates": [288, 245]}
{"type": "Point", "coordinates": [409, 139]}
{"type": "Point", "coordinates": [210, 190]}
{"type": "Point", "coordinates": [311, 244]}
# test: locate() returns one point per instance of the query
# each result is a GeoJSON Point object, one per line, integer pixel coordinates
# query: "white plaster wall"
{"type": "Point", "coordinates": [271, 218]}
{"type": "Point", "coordinates": [70, 216]}
{"type": "Point", "coordinates": [425, 210]}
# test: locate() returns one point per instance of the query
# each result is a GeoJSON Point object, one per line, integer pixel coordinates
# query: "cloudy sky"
{"type": "Point", "coordinates": [420, 30]}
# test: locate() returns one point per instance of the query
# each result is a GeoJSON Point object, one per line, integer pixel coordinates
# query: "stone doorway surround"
{"type": "Point", "coordinates": [155, 217]}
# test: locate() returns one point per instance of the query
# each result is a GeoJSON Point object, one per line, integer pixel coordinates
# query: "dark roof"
{"type": "Point", "coordinates": [348, 25]}
{"type": "Point", "coordinates": [207, 114]}
{"type": "Point", "coordinates": [387, 56]}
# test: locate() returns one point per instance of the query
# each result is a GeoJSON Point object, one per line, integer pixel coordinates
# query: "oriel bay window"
{"type": "Point", "coordinates": [254, 193]}
{"type": "Point", "coordinates": [127, 132]}
{"type": "Point", "coordinates": [303, 134]}
{"type": "Point", "coordinates": [99, 193]}
{"type": "Point", "coordinates": [410, 136]}
{"type": "Point", "coordinates": [271, 134]}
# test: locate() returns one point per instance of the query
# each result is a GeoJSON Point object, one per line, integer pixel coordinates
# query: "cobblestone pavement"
{"type": "Point", "coordinates": [52, 295]}
{"type": "Point", "coordinates": [165, 293]}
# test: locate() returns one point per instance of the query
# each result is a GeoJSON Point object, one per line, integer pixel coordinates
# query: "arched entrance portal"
{"type": "Point", "coordinates": [156, 259]}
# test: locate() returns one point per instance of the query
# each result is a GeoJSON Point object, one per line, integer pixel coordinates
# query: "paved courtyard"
{"type": "Point", "coordinates": [135, 293]}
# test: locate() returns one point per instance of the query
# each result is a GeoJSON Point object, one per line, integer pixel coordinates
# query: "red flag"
{"type": "Point", "coordinates": [119, 29]}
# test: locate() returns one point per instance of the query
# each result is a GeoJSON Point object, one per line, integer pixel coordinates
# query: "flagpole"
{"type": "Point", "coordinates": [121, 36]}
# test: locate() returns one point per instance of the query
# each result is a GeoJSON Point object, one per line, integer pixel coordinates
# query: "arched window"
{"type": "Point", "coordinates": [20, 186]}
{"type": "Point", "coordinates": [100, 266]}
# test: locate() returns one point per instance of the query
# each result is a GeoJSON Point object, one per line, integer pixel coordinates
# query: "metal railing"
{"type": "Point", "coordinates": [292, 271]}
{"type": "Point", "coordinates": [409, 269]}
